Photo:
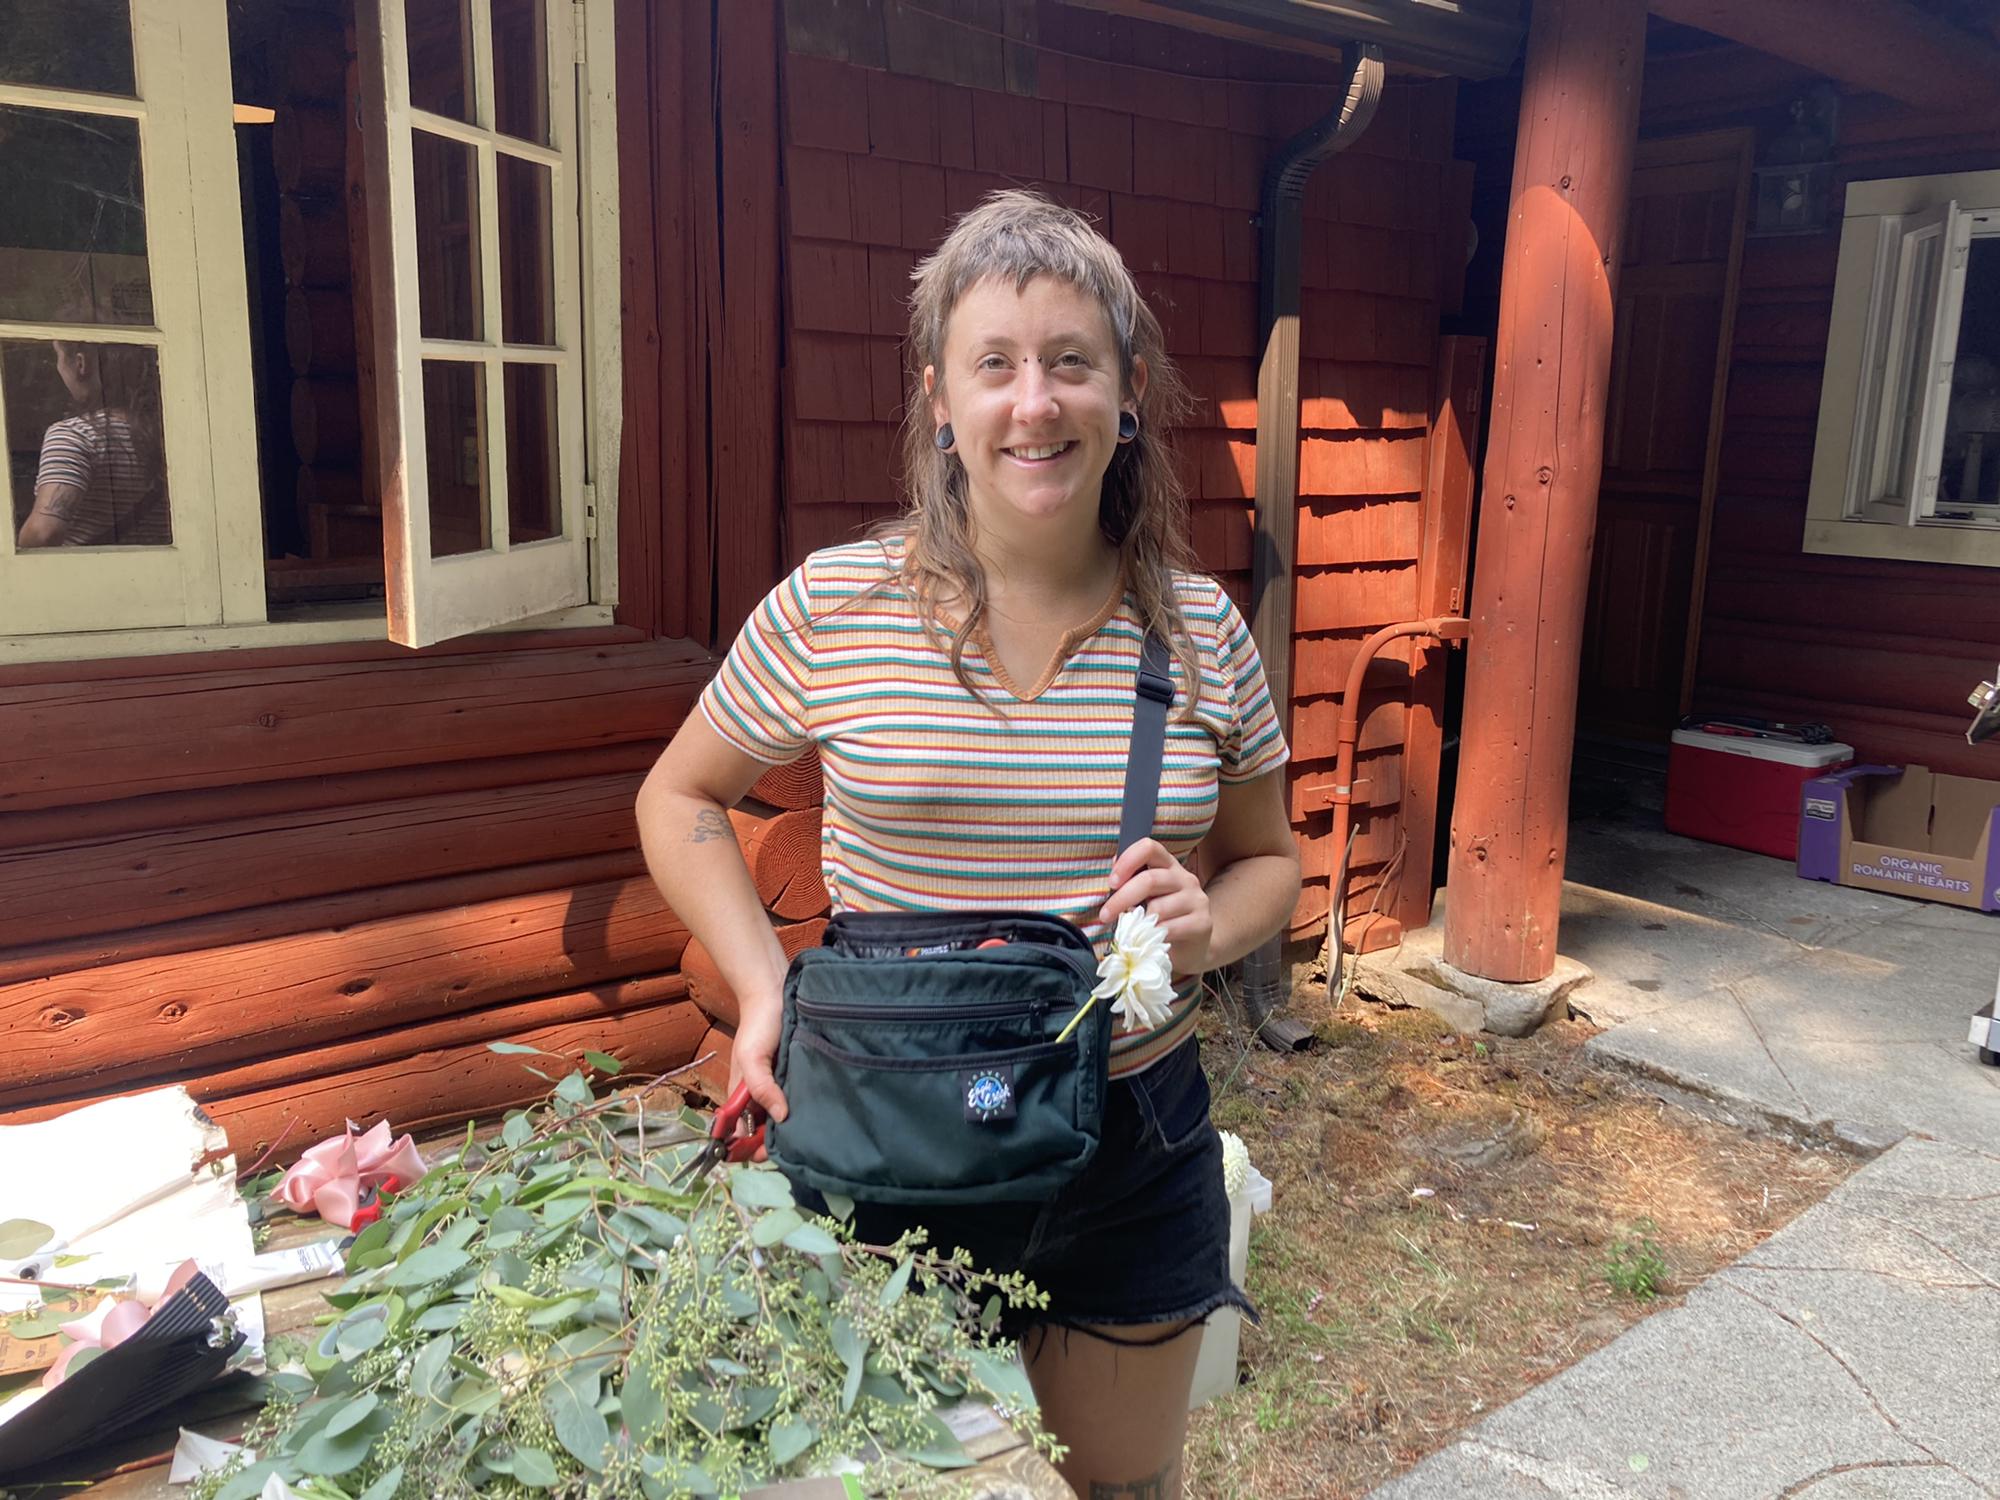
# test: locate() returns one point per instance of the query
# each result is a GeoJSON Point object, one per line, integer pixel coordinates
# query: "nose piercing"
{"type": "Point", "coordinates": [1128, 426]}
{"type": "Point", "coordinates": [946, 437]}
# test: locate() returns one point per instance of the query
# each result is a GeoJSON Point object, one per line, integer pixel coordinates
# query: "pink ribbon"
{"type": "Point", "coordinates": [110, 1323]}
{"type": "Point", "coordinates": [331, 1177]}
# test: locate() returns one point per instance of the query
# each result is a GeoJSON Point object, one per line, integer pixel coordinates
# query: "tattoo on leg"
{"type": "Point", "coordinates": [709, 824]}
{"type": "Point", "coordinates": [1154, 1487]}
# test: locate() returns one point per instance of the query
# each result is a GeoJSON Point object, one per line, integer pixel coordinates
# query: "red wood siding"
{"type": "Point", "coordinates": [1161, 138]}
{"type": "Point", "coordinates": [1884, 651]}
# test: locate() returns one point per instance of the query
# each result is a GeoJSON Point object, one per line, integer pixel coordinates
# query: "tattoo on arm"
{"type": "Point", "coordinates": [709, 824]}
{"type": "Point", "coordinates": [1153, 1487]}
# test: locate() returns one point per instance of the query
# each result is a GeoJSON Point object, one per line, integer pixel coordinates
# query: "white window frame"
{"type": "Point", "coordinates": [201, 300]}
{"type": "Point", "coordinates": [1889, 360]}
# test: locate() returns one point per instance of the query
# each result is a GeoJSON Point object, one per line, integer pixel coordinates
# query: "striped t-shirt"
{"type": "Point", "coordinates": [935, 801]}
{"type": "Point", "coordinates": [116, 501]}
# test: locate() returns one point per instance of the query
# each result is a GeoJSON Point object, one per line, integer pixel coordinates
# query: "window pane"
{"type": "Point", "coordinates": [440, 38]}
{"type": "Point", "coordinates": [534, 510]}
{"type": "Point", "coordinates": [449, 299]}
{"type": "Point", "coordinates": [84, 45]}
{"type": "Point", "coordinates": [1971, 474]}
{"type": "Point", "coordinates": [527, 272]}
{"type": "Point", "coordinates": [87, 460]}
{"type": "Point", "coordinates": [1919, 316]}
{"type": "Point", "coordinates": [521, 70]}
{"type": "Point", "coordinates": [455, 455]}
{"type": "Point", "coordinates": [72, 219]}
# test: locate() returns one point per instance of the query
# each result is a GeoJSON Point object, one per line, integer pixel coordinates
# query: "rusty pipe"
{"type": "Point", "coordinates": [1450, 629]}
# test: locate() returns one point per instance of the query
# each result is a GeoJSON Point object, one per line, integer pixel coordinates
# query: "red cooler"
{"type": "Point", "coordinates": [1743, 791]}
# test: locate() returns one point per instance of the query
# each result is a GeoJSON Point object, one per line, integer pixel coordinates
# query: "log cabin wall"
{"type": "Point", "coordinates": [896, 120]}
{"type": "Point", "coordinates": [314, 883]}
{"type": "Point", "coordinates": [1882, 650]}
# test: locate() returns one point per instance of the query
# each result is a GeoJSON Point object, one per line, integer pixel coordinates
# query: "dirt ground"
{"type": "Point", "coordinates": [1454, 1220]}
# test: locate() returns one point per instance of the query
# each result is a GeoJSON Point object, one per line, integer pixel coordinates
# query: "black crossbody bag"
{"type": "Point", "coordinates": [923, 1053]}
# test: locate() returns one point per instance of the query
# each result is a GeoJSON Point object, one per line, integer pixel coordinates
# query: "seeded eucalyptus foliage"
{"type": "Point", "coordinates": [546, 1315]}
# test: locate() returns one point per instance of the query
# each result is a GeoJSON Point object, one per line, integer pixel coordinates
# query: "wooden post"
{"type": "Point", "coordinates": [1545, 451]}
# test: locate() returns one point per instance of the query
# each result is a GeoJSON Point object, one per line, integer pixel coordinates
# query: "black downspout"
{"type": "Point", "coordinates": [1275, 545]}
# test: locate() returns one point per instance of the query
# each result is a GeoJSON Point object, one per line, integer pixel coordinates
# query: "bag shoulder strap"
{"type": "Point", "coordinates": [1153, 695]}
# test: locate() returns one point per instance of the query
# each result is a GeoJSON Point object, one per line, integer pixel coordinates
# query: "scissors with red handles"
{"type": "Point", "coordinates": [724, 1144]}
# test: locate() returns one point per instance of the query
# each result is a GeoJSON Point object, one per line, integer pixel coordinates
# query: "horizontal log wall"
{"type": "Point", "coordinates": [896, 121]}
{"type": "Point", "coordinates": [315, 883]}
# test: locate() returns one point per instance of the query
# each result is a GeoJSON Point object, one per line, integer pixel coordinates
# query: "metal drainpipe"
{"type": "Point", "coordinates": [1275, 545]}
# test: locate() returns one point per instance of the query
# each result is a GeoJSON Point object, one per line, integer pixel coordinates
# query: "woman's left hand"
{"type": "Point", "coordinates": [1147, 875]}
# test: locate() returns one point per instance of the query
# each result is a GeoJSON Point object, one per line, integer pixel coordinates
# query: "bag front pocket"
{"type": "Point", "coordinates": [997, 1121]}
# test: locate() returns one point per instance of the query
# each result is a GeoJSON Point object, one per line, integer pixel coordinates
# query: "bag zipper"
{"type": "Point", "coordinates": [1036, 1009]}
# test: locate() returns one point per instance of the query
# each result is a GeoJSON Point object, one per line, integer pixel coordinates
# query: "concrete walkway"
{"type": "Point", "coordinates": [1856, 1354]}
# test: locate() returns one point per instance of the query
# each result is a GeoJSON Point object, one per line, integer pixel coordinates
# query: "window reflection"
{"type": "Point", "coordinates": [87, 465]}
{"type": "Point", "coordinates": [521, 70]}
{"type": "Point", "coordinates": [449, 299]}
{"type": "Point", "coordinates": [533, 511]}
{"type": "Point", "coordinates": [455, 455]}
{"type": "Point", "coordinates": [72, 218]}
{"type": "Point", "coordinates": [85, 45]}
{"type": "Point", "coordinates": [1970, 475]}
{"type": "Point", "coordinates": [527, 272]}
{"type": "Point", "coordinates": [440, 50]}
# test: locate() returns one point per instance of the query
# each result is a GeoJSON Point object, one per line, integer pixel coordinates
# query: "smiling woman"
{"type": "Point", "coordinates": [967, 678]}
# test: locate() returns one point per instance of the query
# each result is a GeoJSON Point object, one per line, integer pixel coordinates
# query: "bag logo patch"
{"type": "Point", "coordinates": [989, 1094]}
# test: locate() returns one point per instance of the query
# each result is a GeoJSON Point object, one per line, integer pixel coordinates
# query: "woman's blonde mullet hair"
{"type": "Point", "coordinates": [1014, 236]}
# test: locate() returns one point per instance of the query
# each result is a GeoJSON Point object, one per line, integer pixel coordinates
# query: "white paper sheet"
{"type": "Point", "coordinates": [115, 1180]}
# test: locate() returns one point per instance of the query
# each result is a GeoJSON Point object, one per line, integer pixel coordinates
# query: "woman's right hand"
{"type": "Point", "coordinates": [756, 1049]}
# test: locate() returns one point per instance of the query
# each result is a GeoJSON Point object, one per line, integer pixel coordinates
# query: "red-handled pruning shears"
{"type": "Point", "coordinates": [724, 1144]}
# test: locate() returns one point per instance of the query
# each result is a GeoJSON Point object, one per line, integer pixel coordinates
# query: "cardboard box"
{"type": "Point", "coordinates": [1906, 831]}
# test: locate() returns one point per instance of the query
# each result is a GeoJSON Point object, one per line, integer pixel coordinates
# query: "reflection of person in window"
{"type": "Point", "coordinates": [102, 477]}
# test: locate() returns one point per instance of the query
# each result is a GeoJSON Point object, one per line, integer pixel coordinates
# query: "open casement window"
{"type": "Point", "coordinates": [1907, 365]}
{"type": "Point", "coordinates": [123, 341]}
{"type": "Point", "coordinates": [472, 142]}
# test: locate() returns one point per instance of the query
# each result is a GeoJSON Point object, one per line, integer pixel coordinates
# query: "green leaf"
{"type": "Point", "coordinates": [604, 1062]}
{"type": "Point", "coordinates": [848, 1344]}
{"type": "Point", "coordinates": [940, 1448]}
{"type": "Point", "coordinates": [851, 1387]}
{"type": "Point", "coordinates": [535, 1469]}
{"type": "Point", "coordinates": [429, 1264]}
{"type": "Point", "coordinates": [516, 1049]}
{"type": "Point", "coordinates": [575, 1089]}
{"type": "Point", "coordinates": [440, 1319]}
{"type": "Point", "coordinates": [370, 1247]}
{"type": "Point", "coordinates": [518, 1131]}
{"type": "Point", "coordinates": [334, 1454]}
{"type": "Point", "coordinates": [644, 1404]}
{"type": "Point", "coordinates": [384, 1487]}
{"type": "Point", "coordinates": [21, 1238]}
{"type": "Point", "coordinates": [1004, 1377]}
{"type": "Point", "coordinates": [247, 1484]}
{"type": "Point", "coordinates": [37, 1325]}
{"type": "Point", "coordinates": [810, 1239]}
{"type": "Point", "coordinates": [759, 1187]}
{"type": "Point", "coordinates": [840, 1206]}
{"type": "Point", "coordinates": [571, 1402]}
{"type": "Point", "coordinates": [898, 1283]}
{"type": "Point", "coordinates": [775, 1225]}
{"type": "Point", "coordinates": [351, 1415]}
{"type": "Point", "coordinates": [789, 1438]}
{"type": "Point", "coordinates": [357, 1338]}
{"type": "Point", "coordinates": [429, 1365]}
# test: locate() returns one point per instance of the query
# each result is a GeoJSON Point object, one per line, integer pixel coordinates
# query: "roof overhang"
{"type": "Point", "coordinates": [1466, 38]}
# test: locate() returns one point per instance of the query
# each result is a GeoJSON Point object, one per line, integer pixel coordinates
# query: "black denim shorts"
{"type": "Point", "coordinates": [1140, 1237]}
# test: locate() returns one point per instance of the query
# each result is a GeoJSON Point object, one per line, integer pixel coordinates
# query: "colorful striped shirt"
{"type": "Point", "coordinates": [110, 499]}
{"type": "Point", "coordinates": [936, 801]}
